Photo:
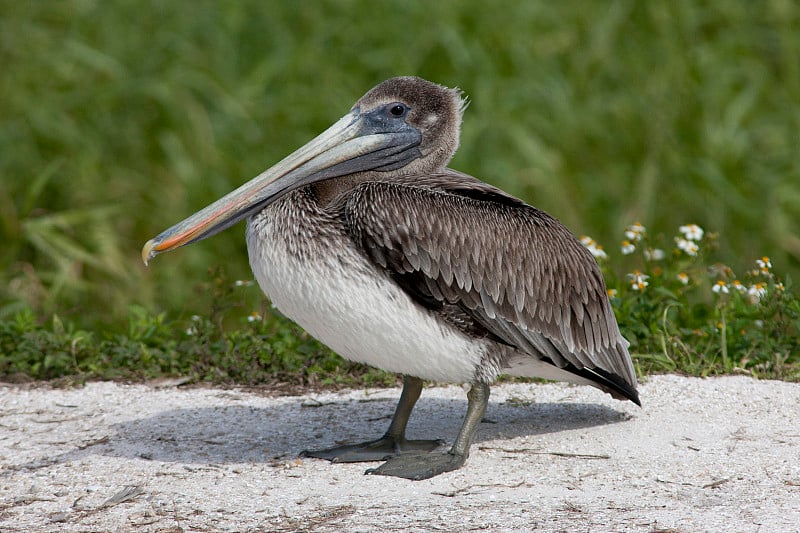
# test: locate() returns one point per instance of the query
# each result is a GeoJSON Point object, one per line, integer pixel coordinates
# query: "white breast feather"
{"type": "Point", "coordinates": [358, 312]}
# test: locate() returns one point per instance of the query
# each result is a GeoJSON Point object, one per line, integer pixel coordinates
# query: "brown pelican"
{"type": "Point", "coordinates": [366, 239]}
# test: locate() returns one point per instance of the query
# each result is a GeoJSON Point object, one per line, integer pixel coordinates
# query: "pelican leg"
{"type": "Point", "coordinates": [392, 444]}
{"type": "Point", "coordinates": [424, 466]}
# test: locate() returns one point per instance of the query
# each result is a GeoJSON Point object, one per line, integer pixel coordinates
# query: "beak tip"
{"type": "Point", "coordinates": [147, 251]}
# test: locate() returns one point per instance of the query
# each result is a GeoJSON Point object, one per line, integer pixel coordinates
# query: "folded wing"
{"type": "Point", "coordinates": [511, 268]}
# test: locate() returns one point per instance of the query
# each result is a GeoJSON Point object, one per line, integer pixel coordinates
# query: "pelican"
{"type": "Point", "coordinates": [367, 239]}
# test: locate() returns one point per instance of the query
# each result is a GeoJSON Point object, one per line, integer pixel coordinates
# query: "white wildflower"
{"type": "Point", "coordinates": [654, 254]}
{"type": "Point", "coordinates": [764, 264]}
{"type": "Point", "coordinates": [627, 248]}
{"type": "Point", "coordinates": [692, 232]}
{"type": "Point", "coordinates": [720, 287]}
{"type": "Point", "coordinates": [688, 247]}
{"type": "Point", "coordinates": [638, 280]}
{"type": "Point", "coordinates": [635, 232]}
{"type": "Point", "coordinates": [757, 291]}
{"type": "Point", "coordinates": [595, 249]}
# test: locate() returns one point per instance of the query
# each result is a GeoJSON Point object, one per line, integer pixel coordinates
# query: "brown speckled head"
{"type": "Point", "coordinates": [401, 127]}
{"type": "Point", "coordinates": [434, 110]}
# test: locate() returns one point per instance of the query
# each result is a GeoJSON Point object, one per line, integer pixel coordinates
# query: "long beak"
{"type": "Point", "coordinates": [351, 145]}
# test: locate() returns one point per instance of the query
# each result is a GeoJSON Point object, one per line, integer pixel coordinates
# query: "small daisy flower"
{"type": "Point", "coordinates": [739, 286]}
{"type": "Point", "coordinates": [688, 247]}
{"type": "Point", "coordinates": [683, 277]}
{"type": "Point", "coordinates": [190, 331]}
{"type": "Point", "coordinates": [779, 286]}
{"type": "Point", "coordinates": [654, 254]}
{"type": "Point", "coordinates": [612, 293]}
{"type": "Point", "coordinates": [243, 282]}
{"type": "Point", "coordinates": [764, 264]}
{"type": "Point", "coordinates": [635, 232]}
{"type": "Point", "coordinates": [638, 280]}
{"type": "Point", "coordinates": [195, 318]}
{"type": "Point", "coordinates": [692, 232]}
{"type": "Point", "coordinates": [720, 287]}
{"type": "Point", "coordinates": [627, 248]}
{"type": "Point", "coordinates": [595, 249]}
{"type": "Point", "coordinates": [254, 316]}
{"type": "Point", "coordinates": [757, 291]}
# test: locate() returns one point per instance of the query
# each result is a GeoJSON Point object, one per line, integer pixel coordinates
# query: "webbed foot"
{"type": "Point", "coordinates": [419, 466]}
{"type": "Point", "coordinates": [380, 449]}
{"type": "Point", "coordinates": [423, 466]}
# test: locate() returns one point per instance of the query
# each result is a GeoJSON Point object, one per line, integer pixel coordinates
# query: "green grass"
{"type": "Point", "coordinates": [673, 327]}
{"type": "Point", "coordinates": [119, 118]}
{"type": "Point", "coordinates": [262, 348]}
{"type": "Point", "coordinates": [685, 312]}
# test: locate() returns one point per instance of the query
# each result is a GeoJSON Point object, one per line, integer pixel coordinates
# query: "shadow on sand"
{"type": "Point", "coordinates": [245, 434]}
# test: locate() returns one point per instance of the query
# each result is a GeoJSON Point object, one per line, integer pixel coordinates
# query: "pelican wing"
{"type": "Point", "coordinates": [514, 270]}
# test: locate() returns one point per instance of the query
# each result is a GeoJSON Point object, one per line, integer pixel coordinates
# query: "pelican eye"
{"type": "Point", "coordinates": [398, 110]}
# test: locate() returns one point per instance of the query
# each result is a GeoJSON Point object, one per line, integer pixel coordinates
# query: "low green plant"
{"type": "Point", "coordinates": [684, 312]}
{"type": "Point", "coordinates": [681, 310]}
{"type": "Point", "coordinates": [231, 344]}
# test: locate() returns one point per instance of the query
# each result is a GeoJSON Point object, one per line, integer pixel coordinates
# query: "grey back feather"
{"type": "Point", "coordinates": [517, 270]}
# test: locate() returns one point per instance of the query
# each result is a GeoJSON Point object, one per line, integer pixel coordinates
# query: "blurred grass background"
{"type": "Point", "coordinates": [119, 118]}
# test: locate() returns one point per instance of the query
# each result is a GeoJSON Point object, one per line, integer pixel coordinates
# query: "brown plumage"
{"type": "Point", "coordinates": [540, 291]}
{"type": "Point", "coordinates": [451, 240]}
{"type": "Point", "coordinates": [366, 239]}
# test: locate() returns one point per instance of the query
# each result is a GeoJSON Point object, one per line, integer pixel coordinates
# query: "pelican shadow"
{"type": "Point", "coordinates": [248, 434]}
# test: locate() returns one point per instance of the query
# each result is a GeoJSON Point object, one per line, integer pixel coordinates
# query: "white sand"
{"type": "Point", "coordinates": [702, 455]}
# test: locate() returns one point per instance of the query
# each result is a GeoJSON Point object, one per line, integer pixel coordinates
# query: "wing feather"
{"type": "Point", "coordinates": [516, 270]}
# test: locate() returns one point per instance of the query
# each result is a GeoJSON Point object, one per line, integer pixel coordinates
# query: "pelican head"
{"type": "Point", "coordinates": [404, 124]}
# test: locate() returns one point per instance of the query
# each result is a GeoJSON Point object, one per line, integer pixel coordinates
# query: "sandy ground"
{"type": "Point", "coordinates": [702, 455]}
